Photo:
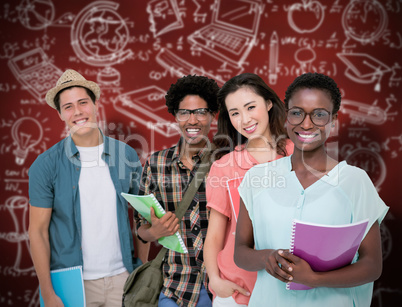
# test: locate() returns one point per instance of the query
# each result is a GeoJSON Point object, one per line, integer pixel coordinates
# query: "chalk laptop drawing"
{"type": "Point", "coordinates": [232, 32]}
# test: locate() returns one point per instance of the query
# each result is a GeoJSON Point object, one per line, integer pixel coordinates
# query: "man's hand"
{"type": "Point", "coordinates": [165, 226]}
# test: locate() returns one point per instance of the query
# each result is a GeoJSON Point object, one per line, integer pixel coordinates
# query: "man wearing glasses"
{"type": "Point", "coordinates": [167, 174]}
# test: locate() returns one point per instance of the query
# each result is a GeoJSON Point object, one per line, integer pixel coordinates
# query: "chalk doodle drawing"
{"type": "Point", "coordinates": [232, 33]}
{"type": "Point", "coordinates": [180, 67]}
{"type": "Point", "coordinates": [136, 49]}
{"type": "Point", "coordinates": [361, 112]}
{"type": "Point", "coordinates": [363, 68]}
{"type": "Point", "coordinates": [199, 17]}
{"type": "Point", "coordinates": [17, 207]}
{"type": "Point", "coordinates": [364, 20]}
{"type": "Point", "coordinates": [36, 14]}
{"type": "Point", "coordinates": [306, 17]}
{"type": "Point", "coordinates": [164, 16]}
{"type": "Point", "coordinates": [99, 35]}
{"type": "Point", "coordinates": [367, 158]}
{"type": "Point", "coordinates": [35, 72]}
{"type": "Point", "coordinates": [305, 57]}
{"type": "Point", "coordinates": [273, 58]}
{"type": "Point", "coordinates": [26, 133]}
{"type": "Point", "coordinates": [141, 106]}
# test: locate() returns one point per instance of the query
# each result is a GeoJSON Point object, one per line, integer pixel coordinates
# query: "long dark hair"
{"type": "Point", "coordinates": [227, 137]}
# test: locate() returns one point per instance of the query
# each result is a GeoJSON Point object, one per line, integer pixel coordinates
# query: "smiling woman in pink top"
{"type": "Point", "coordinates": [250, 131]}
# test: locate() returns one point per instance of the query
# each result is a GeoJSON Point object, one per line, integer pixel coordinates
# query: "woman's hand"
{"type": "Point", "coordinates": [298, 268]}
{"type": "Point", "coordinates": [279, 266]}
{"type": "Point", "coordinates": [225, 288]}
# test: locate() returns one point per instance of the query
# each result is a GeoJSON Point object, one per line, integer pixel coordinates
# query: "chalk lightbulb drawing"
{"type": "Point", "coordinates": [26, 133]}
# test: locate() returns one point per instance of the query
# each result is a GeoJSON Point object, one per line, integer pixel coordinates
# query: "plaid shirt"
{"type": "Point", "coordinates": [167, 178]}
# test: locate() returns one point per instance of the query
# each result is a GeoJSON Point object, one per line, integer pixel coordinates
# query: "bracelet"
{"type": "Point", "coordinates": [141, 239]}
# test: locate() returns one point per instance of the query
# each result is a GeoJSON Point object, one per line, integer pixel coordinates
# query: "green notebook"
{"type": "Point", "coordinates": [143, 204]}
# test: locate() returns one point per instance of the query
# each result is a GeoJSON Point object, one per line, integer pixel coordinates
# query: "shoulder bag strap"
{"type": "Point", "coordinates": [188, 197]}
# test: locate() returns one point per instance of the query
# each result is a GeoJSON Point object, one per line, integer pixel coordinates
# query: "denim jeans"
{"type": "Point", "coordinates": [203, 301]}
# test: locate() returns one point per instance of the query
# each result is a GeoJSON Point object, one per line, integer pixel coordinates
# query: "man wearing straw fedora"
{"type": "Point", "coordinates": [77, 215]}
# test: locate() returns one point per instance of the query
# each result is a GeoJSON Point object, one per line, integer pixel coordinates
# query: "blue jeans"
{"type": "Point", "coordinates": [203, 300]}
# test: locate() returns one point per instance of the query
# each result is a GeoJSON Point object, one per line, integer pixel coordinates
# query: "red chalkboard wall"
{"type": "Point", "coordinates": [136, 49]}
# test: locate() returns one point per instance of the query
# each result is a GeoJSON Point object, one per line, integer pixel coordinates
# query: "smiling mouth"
{"type": "Point", "coordinates": [251, 128]}
{"type": "Point", "coordinates": [307, 137]}
{"type": "Point", "coordinates": [80, 122]}
{"type": "Point", "coordinates": [193, 131]}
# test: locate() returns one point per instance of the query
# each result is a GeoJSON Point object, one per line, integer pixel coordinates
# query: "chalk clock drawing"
{"type": "Point", "coordinates": [364, 20]}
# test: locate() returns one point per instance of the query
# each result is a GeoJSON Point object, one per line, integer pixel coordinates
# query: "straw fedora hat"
{"type": "Point", "coordinates": [71, 78]}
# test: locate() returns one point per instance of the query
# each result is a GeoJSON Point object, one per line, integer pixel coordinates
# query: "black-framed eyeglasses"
{"type": "Point", "coordinates": [200, 114]}
{"type": "Point", "coordinates": [319, 117]}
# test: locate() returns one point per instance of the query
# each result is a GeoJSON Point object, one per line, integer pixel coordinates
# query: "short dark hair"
{"type": "Point", "coordinates": [202, 86]}
{"type": "Point", "coordinates": [227, 135]}
{"type": "Point", "coordinates": [315, 81]}
{"type": "Point", "coordinates": [57, 97]}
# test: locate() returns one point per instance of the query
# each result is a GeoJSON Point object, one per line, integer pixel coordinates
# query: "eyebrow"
{"type": "Point", "coordinates": [69, 103]}
{"type": "Point", "coordinates": [245, 105]}
{"type": "Point", "coordinates": [305, 110]}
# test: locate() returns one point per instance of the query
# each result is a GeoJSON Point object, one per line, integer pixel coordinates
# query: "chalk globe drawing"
{"type": "Point", "coordinates": [99, 35]}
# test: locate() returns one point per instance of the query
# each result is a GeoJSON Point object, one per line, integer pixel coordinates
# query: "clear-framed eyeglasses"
{"type": "Point", "coordinates": [319, 117]}
{"type": "Point", "coordinates": [200, 114]}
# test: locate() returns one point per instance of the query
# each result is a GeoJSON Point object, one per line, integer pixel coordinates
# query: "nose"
{"type": "Point", "coordinates": [77, 110]}
{"type": "Point", "coordinates": [245, 118]}
{"type": "Point", "coordinates": [192, 119]}
{"type": "Point", "coordinates": [307, 123]}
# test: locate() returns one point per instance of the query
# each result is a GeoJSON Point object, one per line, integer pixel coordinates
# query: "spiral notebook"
{"type": "Point", "coordinates": [325, 247]}
{"type": "Point", "coordinates": [68, 284]}
{"type": "Point", "coordinates": [143, 204]}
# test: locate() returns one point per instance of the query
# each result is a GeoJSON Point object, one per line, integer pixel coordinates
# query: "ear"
{"type": "Point", "coordinates": [334, 119]}
{"type": "Point", "coordinates": [269, 105]}
{"type": "Point", "coordinates": [96, 105]}
{"type": "Point", "coordinates": [60, 115]}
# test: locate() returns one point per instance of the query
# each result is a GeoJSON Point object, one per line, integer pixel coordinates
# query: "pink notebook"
{"type": "Point", "coordinates": [232, 185]}
{"type": "Point", "coordinates": [325, 247]}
